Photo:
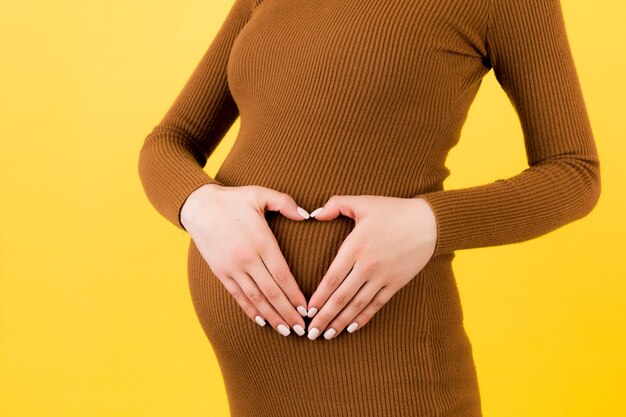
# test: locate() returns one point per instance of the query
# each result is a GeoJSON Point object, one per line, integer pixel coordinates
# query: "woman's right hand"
{"type": "Point", "coordinates": [229, 228]}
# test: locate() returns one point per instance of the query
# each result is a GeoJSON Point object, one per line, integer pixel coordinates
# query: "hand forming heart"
{"type": "Point", "coordinates": [393, 239]}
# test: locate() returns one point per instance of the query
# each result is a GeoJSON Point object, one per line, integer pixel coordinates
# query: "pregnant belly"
{"type": "Point", "coordinates": [431, 299]}
{"type": "Point", "coordinates": [417, 336]}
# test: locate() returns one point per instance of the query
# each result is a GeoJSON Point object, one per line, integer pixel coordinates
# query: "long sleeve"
{"type": "Point", "coordinates": [174, 153]}
{"type": "Point", "coordinates": [528, 49]}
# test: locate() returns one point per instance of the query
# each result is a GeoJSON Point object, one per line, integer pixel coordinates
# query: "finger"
{"type": "Point", "coordinates": [256, 296]}
{"type": "Point", "coordinates": [244, 302]}
{"type": "Point", "coordinates": [379, 300]}
{"type": "Point", "coordinates": [273, 200]}
{"type": "Point", "coordinates": [337, 301]}
{"type": "Point", "coordinates": [278, 268]}
{"type": "Point", "coordinates": [336, 205]}
{"type": "Point", "coordinates": [336, 273]}
{"type": "Point", "coordinates": [356, 305]}
{"type": "Point", "coordinates": [275, 295]}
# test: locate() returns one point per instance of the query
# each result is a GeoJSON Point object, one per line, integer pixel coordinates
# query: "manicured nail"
{"type": "Point", "coordinates": [316, 211]}
{"type": "Point", "coordinates": [353, 327]}
{"type": "Point", "coordinates": [260, 320]}
{"type": "Point", "coordinates": [298, 329]}
{"type": "Point", "coordinates": [312, 312]}
{"type": "Point", "coordinates": [302, 311]}
{"type": "Point", "coordinates": [329, 333]}
{"type": "Point", "coordinates": [303, 212]}
{"type": "Point", "coordinates": [313, 333]}
{"type": "Point", "coordinates": [284, 330]}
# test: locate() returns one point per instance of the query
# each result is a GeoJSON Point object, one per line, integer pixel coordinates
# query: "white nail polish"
{"type": "Point", "coordinates": [284, 330]}
{"type": "Point", "coordinates": [299, 330]}
{"type": "Point", "coordinates": [303, 212]}
{"type": "Point", "coordinates": [302, 311]}
{"type": "Point", "coordinates": [313, 333]}
{"type": "Point", "coordinates": [353, 327]}
{"type": "Point", "coordinates": [316, 211]}
{"type": "Point", "coordinates": [260, 320]}
{"type": "Point", "coordinates": [329, 333]}
{"type": "Point", "coordinates": [312, 312]}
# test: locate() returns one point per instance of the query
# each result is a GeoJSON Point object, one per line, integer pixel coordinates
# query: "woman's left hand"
{"type": "Point", "coordinates": [392, 240]}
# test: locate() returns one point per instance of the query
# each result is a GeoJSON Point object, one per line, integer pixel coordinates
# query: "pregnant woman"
{"type": "Point", "coordinates": [348, 111]}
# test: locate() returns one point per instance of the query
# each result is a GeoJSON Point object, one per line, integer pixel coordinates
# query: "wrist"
{"type": "Point", "coordinates": [429, 226]}
{"type": "Point", "coordinates": [189, 208]}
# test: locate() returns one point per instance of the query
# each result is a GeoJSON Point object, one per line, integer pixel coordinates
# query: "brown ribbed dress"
{"type": "Point", "coordinates": [368, 97]}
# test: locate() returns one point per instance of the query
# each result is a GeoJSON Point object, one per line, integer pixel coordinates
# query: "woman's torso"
{"type": "Point", "coordinates": [341, 97]}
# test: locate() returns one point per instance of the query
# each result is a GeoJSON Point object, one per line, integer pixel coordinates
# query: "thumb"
{"type": "Point", "coordinates": [336, 205]}
{"type": "Point", "coordinates": [274, 200]}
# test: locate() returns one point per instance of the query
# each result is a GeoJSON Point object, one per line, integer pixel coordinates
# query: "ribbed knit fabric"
{"type": "Point", "coordinates": [368, 97]}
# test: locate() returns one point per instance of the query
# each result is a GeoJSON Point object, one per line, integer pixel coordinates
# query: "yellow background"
{"type": "Point", "coordinates": [96, 316]}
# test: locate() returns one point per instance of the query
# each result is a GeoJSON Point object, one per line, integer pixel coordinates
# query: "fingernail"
{"type": "Point", "coordinates": [312, 312]}
{"type": "Point", "coordinates": [313, 333]}
{"type": "Point", "coordinates": [316, 211]}
{"type": "Point", "coordinates": [260, 320]}
{"type": "Point", "coordinates": [302, 311]}
{"type": "Point", "coordinates": [303, 212]}
{"type": "Point", "coordinates": [353, 327]}
{"type": "Point", "coordinates": [298, 329]}
{"type": "Point", "coordinates": [329, 333]}
{"type": "Point", "coordinates": [284, 330]}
